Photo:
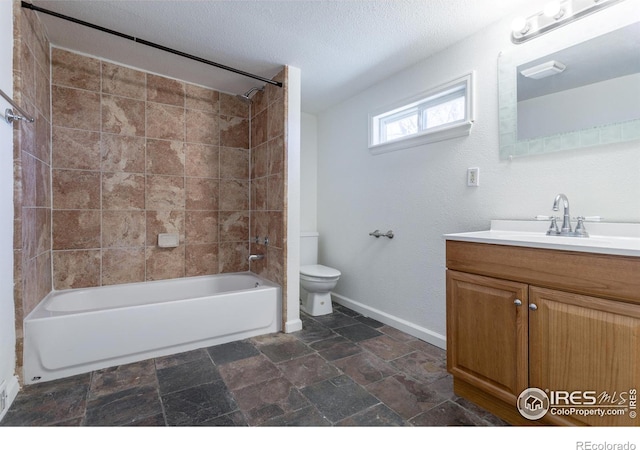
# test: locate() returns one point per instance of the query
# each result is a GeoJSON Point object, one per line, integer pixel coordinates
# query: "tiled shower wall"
{"type": "Point", "coordinates": [135, 155]}
{"type": "Point", "coordinates": [32, 193]}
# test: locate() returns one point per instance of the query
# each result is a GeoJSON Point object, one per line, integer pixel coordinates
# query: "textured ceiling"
{"type": "Point", "coordinates": [341, 47]}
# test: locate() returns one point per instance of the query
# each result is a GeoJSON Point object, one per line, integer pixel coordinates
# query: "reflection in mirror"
{"type": "Point", "coordinates": [587, 94]}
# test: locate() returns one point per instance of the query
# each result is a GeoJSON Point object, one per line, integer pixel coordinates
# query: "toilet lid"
{"type": "Point", "coordinates": [319, 271]}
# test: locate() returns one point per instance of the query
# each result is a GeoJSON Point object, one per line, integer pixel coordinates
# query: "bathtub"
{"type": "Point", "coordinates": [80, 330]}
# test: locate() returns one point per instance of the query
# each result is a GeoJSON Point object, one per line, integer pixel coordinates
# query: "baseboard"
{"type": "Point", "coordinates": [425, 334]}
{"type": "Point", "coordinates": [293, 325]}
{"type": "Point", "coordinates": [12, 388]}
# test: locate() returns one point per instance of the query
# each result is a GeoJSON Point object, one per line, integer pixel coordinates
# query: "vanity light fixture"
{"type": "Point", "coordinates": [546, 69]}
{"type": "Point", "coordinates": [554, 15]}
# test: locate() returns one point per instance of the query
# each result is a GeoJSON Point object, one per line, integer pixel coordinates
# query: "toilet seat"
{"type": "Point", "coordinates": [319, 271]}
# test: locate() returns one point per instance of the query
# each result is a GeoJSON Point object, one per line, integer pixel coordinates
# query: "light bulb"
{"type": "Point", "coordinates": [520, 25]}
{"type": "Point", "coordinates": [553, 10]}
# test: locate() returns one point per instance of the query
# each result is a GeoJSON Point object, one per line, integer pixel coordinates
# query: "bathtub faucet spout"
{"type": "Point", "coordinates": [256, 257]}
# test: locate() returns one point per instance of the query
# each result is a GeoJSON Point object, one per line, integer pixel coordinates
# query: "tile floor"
{"type": "Point", "coordinates": [342, 369]}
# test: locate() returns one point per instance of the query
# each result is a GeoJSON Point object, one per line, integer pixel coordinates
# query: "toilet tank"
{"type": "Point", "coordinates": [308, 248]}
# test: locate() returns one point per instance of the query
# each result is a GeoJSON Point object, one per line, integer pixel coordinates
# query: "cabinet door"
{"type": "Point", "coordinates": [487, 333]}
{"type": "Point", "coordinates": [579, 343]}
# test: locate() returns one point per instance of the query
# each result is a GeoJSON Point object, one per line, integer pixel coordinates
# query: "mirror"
{"type": "Point", "coordinates": [579, 96]}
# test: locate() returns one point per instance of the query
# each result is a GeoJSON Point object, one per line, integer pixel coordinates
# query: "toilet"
{"type": "Point", "coordinates": [316, 280]}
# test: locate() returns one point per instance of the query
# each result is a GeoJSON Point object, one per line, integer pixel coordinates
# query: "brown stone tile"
{"type": "Point", "coordinates": [43, 185]}
{"type": "Point", "coordinates": [271, 398]}
{"type": "Point", "coordinates": [259, 129]}
{"type": "Point", "coordinates": [75, 149]}
{"type": "Point", "coordinates": [248, 372]}
{"type": "Point", "coordinates": [275, 120]}
{"type": "Point", "coordinates": [123, 81]}
{"type": "Point", "coordinates": [120, 378]}
{"type": "Point", "coordinates": [164, 222]}
{"type": "Point", "coordinates": [307, 370]}
{"type": "Point", "coordinates": [232, 257]}
{"type": "Point", "coordinates": [165, 157]}
{"type": "Point", "coordinates": [123, 229]}
{"type": "Point", "coordinates": [280, 347]}
{"type": "Point", "coordinates": [76, 268]}
{"type": "Point", "coordinates": [202, 161]}
{"type": "Point", "coordinates": [124, 116]}
{"type": "Point", "coordinates": [259, 103]}
{"type": "Point", "coordinates": [123, 191]}
{"type": "Point", "coordinates": [276, 155]}
{"type": "Point", "coordinates": [230, 105]}
{"type": "Point", "coordinates": [122, 153]}
{"type": "Point", "coordinates": [421, 367]}
{"type": "Point", "coordinates": [198, 97]}
{"type": "Point", "coordinates": [234, 132]}
{"type": "Point", "coordinates": [365, 368]}
{"type": "Point", "coordinates": [234, 226]}
{"type": "Point", "coordinates": [76, 229]}
{"type": "Point", "coordinates": [259, 194]}
{"type": "Point", "coordinates": [275, 196]}
{"type": "Point", "coordinates": [165, 90]}
{"type": "Point", "coordinates": [276, 229]}
{"type": "Point", "coordinates": [43, 92]}
{"type": "Point", "coordinates": [74, 189]}
{"type": "Point", "coordinates": [201, 227]}
{"type": "Point", "coordinates": [234, 195]}
{"type": "Point", "coordinates": [275, 265]}
{"type": "Point", "coordinates": [164, 192]}
{"type": "Point", "coordinates": [201, 260]}
{"type": "Point", "coordinates": [165, 122]}
{"type": "Point", "coordinates": [43, 271]}
{"type": "Point", "coordinates": [234, 163]}
{"type": "Point", "coordinates": [202, 127]}
{"type": "Point", "coordinates": [386, 347]}
{"type": "Point", "coordinates": [335, 348]}
{"type": "Point", "coordinates": [428, 349]}
{"type": "Point", "coordinates": [202, 194]}
{"type": "Point", "coordinates": [122, 265]}
{"type": "Point", "coordinates": [397, 334]}
{"type": "Point", "coordinates": [75, 70]}
{"type": "Point", "coordinates": [165, 263]}
{"type": "Point", "coordinates": [260, 161]}
{"type": "Point", "coordinates": [75, 108]}
{"type": "Point", "coordinates": [405, 396]}
{"type": "Point", "coordinates": [42, 146]}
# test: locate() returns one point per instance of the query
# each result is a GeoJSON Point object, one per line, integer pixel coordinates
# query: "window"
{"type": "Point", "coordinates": [441, 113]}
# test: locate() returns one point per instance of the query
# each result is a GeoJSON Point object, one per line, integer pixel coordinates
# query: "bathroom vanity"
{"type": "Point", "coordinates": [560, 314]}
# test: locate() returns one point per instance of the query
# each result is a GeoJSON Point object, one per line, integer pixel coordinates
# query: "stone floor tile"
{"type": "Point", "coordinates": [378, 416]}
{"type": "Point", "coordinates": [365, 368]}
{"type": "Point", "coordinates": [123, 407]}
{"type": "Point", "coordinates": [313, 331]}
{"type": "Point", "coordinates": [233, 419]}
{"type": "Point", "coordinates": [179, 358]}
{"type": "Point", "coordinates": [283, 347]}
{"type": "Point", "coordinates": [358, 332]}
{"type": "Point", "coordinates": [386, 347]}
{"type": "Point", "coordinates": [428, 349]}
{"type": "Point", "coordinates": [336, 348]}
{"type": "Point", "coordinates": [246, 372]}
{"type": "Point", "coordinates": [480, 412]}
{"type": "Point", "coordinates": [126, 376]}
{"type": "Point", "coordinates": [344, 310]}
{"type": "Point", "coordinates": [405, 396]}
{"type": "Point", "coordinates": [186, 375]}
{"type": "Point", "coordinates": [335, 320]}
{"type": "Point", "coordinates": [198, 404]}
{"type": "Point", "coordinates": [308, 370]}
{"type": "Point", "coordinates": [232, 351]}
{"type": "Point", "coordinates": [396, 334]}
{"type": "Point", "coordinates": [447, 414]}
{"type": "Point", "coordinates": [306, 417]}
{"type": "Point", "coordinates": [263, 401]}
{"type": "Point", "coordinates": [339, 398]}
{"type": "Point", "coordinates": [369, 321]}
{"type": "Point", "coordinates": [421, 367]}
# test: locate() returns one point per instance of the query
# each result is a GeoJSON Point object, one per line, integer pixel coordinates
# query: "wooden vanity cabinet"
{"type": "Point", "coordinates": [521, 317]}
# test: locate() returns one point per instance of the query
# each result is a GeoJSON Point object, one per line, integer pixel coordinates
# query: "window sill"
{"type": "Point", "coordinates": [449, 132]}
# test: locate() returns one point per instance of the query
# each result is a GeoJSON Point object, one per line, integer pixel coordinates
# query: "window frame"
{"type": "Point", "coordinates": [420, 103]}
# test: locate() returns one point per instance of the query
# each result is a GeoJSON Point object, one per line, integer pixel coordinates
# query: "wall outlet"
{"type": "Point", "coordinates": [473, 176]}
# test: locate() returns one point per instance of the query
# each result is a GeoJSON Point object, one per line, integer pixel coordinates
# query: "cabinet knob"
{"type": "Point", "coordinates": [517, 302]}
{"type": "Point", "coordinates": [533, 306]}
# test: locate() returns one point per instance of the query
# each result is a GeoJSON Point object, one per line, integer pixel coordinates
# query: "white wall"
{"type": "Point", "coordinates": [309, 173]}
{"type": "Point", "coordinates": [7, 315]}
{"type": "Point", "coordinates": [420, 193]}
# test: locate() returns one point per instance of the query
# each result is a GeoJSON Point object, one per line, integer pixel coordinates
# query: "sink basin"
{"type": "Point", "coordinates": [606, 238]}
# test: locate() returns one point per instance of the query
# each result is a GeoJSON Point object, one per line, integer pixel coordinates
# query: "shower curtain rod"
{"type": "Point", "coordinates": [147, 43]}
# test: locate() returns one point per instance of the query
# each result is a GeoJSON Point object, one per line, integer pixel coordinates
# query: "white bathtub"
{"type": "Point", "coordinates": [80, 330]}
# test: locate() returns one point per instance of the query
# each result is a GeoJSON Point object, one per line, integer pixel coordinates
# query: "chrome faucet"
{"type": "Point", "coordinates": [566, 218]}
{"type": "Point", "coordinates": [255, 257]}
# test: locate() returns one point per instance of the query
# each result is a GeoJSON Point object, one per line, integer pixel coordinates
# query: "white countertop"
{"type": "Point", "coordinates": [606, 238]}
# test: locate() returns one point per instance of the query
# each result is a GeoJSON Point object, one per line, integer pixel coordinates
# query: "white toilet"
{"type": "Point", "coordinates": [316, 281]}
